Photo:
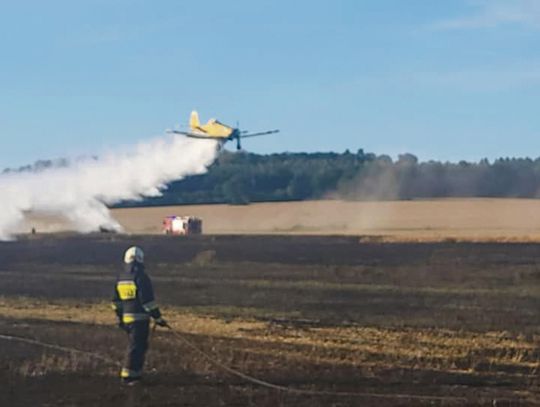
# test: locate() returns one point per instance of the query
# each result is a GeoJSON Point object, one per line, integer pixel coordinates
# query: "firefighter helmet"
{"type": "Point", "coordinates": [134, 253]}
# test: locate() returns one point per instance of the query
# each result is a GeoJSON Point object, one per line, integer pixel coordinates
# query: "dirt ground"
{"type": "Point", "coordinates": [454, 321]}
{"type": "Point", "coordinates": [423, 220]}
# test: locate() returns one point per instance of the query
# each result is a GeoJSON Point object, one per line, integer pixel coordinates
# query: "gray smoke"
{"type": "Point", "coordinates": [381, 178]}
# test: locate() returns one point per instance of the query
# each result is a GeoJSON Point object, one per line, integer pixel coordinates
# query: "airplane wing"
{"type": "Point", "coordinates": [263, 133]}
{"type": "Point", "coordinates": [192, 135]}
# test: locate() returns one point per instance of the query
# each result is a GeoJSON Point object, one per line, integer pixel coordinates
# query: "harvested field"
{"type": "Point", "coordinates": [456, 321]}
{"type": "Point", "coordinates": [430, 220]}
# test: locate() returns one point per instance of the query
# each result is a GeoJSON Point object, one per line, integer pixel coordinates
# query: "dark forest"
{"type": "Point", "coordinates": [241, 178]}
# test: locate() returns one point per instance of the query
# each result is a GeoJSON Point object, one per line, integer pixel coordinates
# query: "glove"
{"type": "Point", "coordinates": [161, 322]}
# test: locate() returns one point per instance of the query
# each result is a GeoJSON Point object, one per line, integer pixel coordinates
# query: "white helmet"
{"type": "Point", "coordinates": [134, 253]}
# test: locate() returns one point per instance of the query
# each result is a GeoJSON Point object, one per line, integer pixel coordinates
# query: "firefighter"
{"type": "Point", "coordinates": [133, 302]}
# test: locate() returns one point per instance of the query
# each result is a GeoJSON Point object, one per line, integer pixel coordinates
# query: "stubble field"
{"type": "Point", "coordinates": [479, 219]}
{"type": "Point", "coordinates": [454, 321]}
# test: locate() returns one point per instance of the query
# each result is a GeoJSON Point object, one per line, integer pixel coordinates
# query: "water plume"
{"type": "Point", "coordinates": [80, 191]}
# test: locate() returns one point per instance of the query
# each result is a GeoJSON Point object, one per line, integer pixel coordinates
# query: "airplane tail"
{"type": "Point", "coordinates": [194, 120]}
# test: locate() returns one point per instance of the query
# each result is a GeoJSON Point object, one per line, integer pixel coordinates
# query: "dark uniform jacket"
{"type": "Point", "coordinates": [133, 298]}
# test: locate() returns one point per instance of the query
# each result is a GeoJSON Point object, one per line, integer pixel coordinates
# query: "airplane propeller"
{"type": "Point", "coordinates": [238, 135]}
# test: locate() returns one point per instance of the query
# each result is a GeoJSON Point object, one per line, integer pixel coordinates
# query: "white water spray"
{"type": "Point", "coordinates": [80, 192]}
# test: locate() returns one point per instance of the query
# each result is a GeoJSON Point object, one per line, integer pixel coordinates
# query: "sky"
{"type": "Point", "coordinates": [453, 80]}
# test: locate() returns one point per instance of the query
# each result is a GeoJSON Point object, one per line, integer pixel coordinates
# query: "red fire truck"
{"type": "Point", "coordinates": [182, 225]}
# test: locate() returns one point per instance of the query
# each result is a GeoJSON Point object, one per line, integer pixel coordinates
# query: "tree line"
{"type": "Point", "coordinates": [241, 178]}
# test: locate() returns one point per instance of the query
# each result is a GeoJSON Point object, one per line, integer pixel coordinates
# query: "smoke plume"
{"type": "Point", "coordinates": [80, 191]}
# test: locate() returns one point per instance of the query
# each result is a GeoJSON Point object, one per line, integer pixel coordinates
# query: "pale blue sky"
{"type": "Point", "coordinates": [445, 80]}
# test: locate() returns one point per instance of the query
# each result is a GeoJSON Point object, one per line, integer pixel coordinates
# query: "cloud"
{"type": "Point", "coordinates": [482, 80]}
{"type": "Point", "coordinates": [499, 78]}
{"type": "Point", "coordinates": [495, 13]}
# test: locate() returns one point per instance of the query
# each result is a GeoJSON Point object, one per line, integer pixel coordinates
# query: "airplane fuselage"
{"type": "Point", "coordinates": [216, 129]}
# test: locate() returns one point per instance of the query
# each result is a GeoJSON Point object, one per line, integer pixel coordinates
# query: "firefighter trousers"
{"type": "Point", "coordinates": [138, 344]}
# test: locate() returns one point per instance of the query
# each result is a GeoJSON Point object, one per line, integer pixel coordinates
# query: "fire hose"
{"type": "Point", "coordinates": [238, 373]}
{"type": "Point", "coordinates": [287, 389]}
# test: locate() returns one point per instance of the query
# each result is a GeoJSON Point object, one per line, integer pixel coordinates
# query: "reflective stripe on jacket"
{"type": "Point", "coordinates": [133, 298]}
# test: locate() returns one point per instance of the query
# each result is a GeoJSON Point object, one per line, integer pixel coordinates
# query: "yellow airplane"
{"type": "Point", "coordinates": [215, 130]}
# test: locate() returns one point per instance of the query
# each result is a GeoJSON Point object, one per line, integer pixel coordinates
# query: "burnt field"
{"type": "Point", "coordinates": [455, 321]}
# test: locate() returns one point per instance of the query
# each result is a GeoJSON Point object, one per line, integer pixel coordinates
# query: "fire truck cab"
{"type": "Point", "coordinates": [182, 225]}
